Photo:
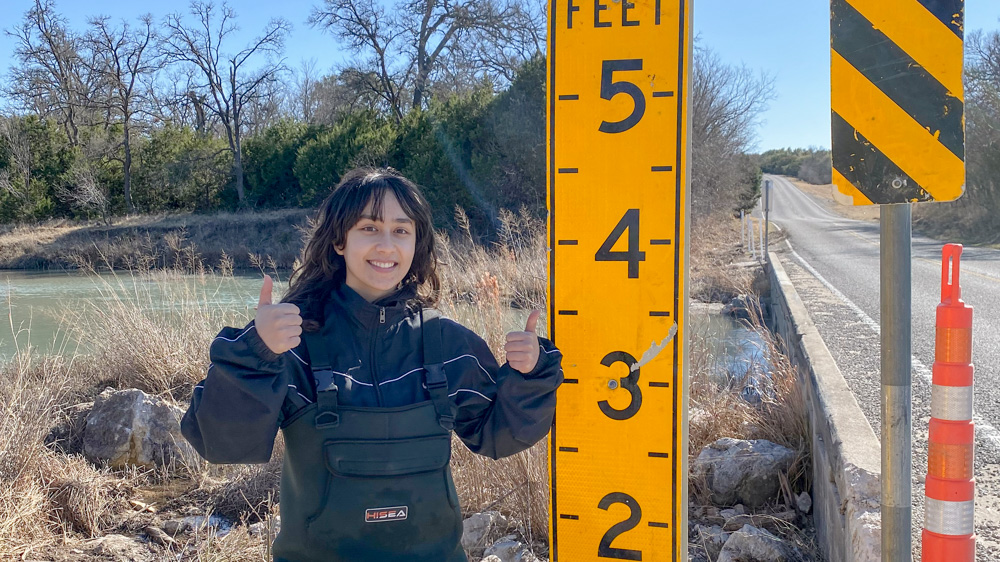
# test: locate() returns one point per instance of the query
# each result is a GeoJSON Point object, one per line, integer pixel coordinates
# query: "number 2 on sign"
{"type": "Point", "coordinates": [605, 550]}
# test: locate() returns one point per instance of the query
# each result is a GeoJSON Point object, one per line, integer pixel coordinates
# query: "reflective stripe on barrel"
{"type": "Point", "coordinates": [952, 403]}
{"type": "Point", "coordinates": [949, 518]}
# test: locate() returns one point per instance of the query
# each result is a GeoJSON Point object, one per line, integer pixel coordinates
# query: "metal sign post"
{"type": "Point", "coordinates": [767, 223]}
{"type": "Point", "coordinates": [898, 131]}
{"type": "Point", "coordinates": [618, 95]}
{"type": "Point", "coordinates": [895, 265]}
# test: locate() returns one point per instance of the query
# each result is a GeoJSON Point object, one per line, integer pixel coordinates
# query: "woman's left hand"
{"type": "Point", "coordinates": [522, 347]}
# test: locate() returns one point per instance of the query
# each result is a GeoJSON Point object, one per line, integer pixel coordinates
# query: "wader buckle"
{"type": "Point", "coordinates": [437, 386]}
{"type": "Point", "coordinates": [326, 399]}
{"type": "Point", "coordinates": [326, 420]}
{"type": "Point", "coordinates": [324, 379]}
{"type": "Point", "coordinates": [447, 422]}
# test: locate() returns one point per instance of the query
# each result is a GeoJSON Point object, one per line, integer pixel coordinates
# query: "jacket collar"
{"type": "Point", "coordinates": [368, 313]}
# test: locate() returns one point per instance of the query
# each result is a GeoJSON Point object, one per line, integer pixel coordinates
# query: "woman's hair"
{"type": "Point", "coordinates": [321, 268]}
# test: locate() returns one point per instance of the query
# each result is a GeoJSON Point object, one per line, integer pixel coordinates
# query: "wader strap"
{"type": "Point", "coordinates": [434, 375]}
{"type": "Point", "coordinates": [326, 388]}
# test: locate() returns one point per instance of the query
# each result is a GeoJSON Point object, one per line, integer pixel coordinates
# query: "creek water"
{"type": "Point", "coordinates": [35, 307]}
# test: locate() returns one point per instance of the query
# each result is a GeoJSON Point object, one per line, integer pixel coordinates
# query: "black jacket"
{"type": "Point", "coordinates": [376, 353]}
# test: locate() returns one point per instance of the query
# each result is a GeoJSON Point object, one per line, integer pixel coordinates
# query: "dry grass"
{"type": "Point", "coordinates": [154, 335]}
{"type": "Point", "coordinates": [157, 241]}
{"type": "Point", "coordinates": [718, 410]}
{"type": "Point", "coordinates": [715, 248]}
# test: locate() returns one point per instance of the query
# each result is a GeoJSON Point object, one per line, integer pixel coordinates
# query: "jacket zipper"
{"type": "Point", "coordinates": [378, 389]}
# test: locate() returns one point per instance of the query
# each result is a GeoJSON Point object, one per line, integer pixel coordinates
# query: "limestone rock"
{"type": "Point", "coordinates": [751, 544]}
{"type": "Point", "coordinates": [260, 528]}
{"type": "Point", "coordinates": [480, 529]}
{"type": "Point", "coordinates": [510, 549]}
{"type": "Point", "coordinates": [742, 471]}
{"type": "Point", "coordinates": [129, 427]}
{"type": "Point", "coordinates": [803, 502]}
{"type": "Point", "coordinates": [157, 535]}
{"type": "Point", "coordinates": [711, 539]}
{"type": "Point", "coordinates": [118, 548]}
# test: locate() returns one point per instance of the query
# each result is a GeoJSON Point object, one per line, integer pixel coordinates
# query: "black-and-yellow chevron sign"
{"type": "Point", "coordinates": [897, 101]}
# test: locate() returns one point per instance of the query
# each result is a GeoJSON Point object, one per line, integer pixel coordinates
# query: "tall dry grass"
{"type": "Point", "coordinates": [480, 288]}
{"type": "Point", "coordinates": [150, 331]}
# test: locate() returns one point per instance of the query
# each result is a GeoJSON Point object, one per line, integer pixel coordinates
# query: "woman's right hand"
{"type": "Point", "coordinates": [279, 325]}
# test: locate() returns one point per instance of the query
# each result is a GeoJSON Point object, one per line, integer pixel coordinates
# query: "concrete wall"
{"type": "Point", "coordinates": [846, 454]}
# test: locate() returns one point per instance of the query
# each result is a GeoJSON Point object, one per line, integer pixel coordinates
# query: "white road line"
{"type": "Point", "coordinates": [987, 433]}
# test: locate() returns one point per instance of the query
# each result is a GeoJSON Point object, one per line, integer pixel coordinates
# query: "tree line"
{"type": "Point", "coordinates": [160, 115]}
{"type": "Point", "coordinates": [812, 165]}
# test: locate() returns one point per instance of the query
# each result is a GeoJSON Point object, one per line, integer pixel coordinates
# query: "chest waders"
{"type": "Point", "coordinates": [370, 484]}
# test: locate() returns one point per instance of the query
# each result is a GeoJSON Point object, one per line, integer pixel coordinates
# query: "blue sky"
{"type": "Point", "coordinates": [789, 39]}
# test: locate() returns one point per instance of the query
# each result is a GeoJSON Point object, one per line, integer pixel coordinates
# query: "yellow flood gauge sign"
{"type": "Point", "coordinates": [898, 122]}
{"type": "Point", "coordinates": [617, 154]}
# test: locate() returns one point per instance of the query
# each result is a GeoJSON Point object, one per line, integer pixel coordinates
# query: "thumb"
{"type": "Point", "coordinates": [532, 323]}
{"type": "Point", "coordinates": [265, 291]}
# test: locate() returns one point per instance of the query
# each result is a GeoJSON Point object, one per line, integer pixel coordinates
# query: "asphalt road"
{"type": "Point", "coordinates": [834, 263]}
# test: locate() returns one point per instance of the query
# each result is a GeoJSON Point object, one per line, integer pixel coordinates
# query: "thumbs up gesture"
{"type": "Point", "coordinates": [522, 347]}
{"type": "Point", "coordinates": [279, 325]}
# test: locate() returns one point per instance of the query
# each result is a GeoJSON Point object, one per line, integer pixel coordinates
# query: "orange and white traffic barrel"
{"type": "Point", "coordinates": [948, 533]}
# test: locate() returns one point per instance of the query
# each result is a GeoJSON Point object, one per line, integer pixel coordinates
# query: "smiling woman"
{"type": "Point", "coordinates": [379, 249]}
{"type": "Point", "coordinates": [368, 391]}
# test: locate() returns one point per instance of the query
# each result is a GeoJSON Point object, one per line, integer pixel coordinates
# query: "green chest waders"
{"type": "Point", "coordinates": [370, 484]}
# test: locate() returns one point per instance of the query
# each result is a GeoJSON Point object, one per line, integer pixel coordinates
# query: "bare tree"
{"type": "Point", "coordinates": [52, 77]}
{"type": "Point", "coordinates": [979, 209]}
{"type": "Point", "coordinates": [231, 84]}
{"type": "Point", "coordinates": [378, 38]}
{"type": "Point", "coordinates": [14, 139]}
{"type": "Point", "coordinates": [726, 104]}
{"type": "Point", "coordinates": [83, 191]}
{"type": "Point", "coordinates": [121, 61]}
{"type": "Point", "coordinates": [304, 99]}
{"type": "Point", "coordinates": [400, 51]}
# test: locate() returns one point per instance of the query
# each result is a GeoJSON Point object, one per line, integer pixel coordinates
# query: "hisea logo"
{"type": "Point", "coordinates": [380, 514]}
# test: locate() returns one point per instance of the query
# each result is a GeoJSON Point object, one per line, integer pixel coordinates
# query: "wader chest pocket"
{"type": "Point", "coordinates": [361, 458]}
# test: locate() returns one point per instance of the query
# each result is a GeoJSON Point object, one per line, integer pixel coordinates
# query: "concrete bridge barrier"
{"type": "Point", "coordinates": [846, 454]}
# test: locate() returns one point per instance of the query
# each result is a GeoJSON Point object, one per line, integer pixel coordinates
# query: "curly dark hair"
{"type": "Point", "coordinates": [321, 268]}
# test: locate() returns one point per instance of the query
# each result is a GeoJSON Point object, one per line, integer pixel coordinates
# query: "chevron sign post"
{"type": "Point", "coordinates": [898, 132]}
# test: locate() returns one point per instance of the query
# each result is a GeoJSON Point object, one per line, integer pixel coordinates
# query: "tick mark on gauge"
{"type": "Point", "coordinates": [567, 242]}
{"type": "Point", "coordinates": [571, 381]}
{"type": "Point", "coordinates": [662, 168]}
{"type": "Point", "coordinates": [663, 94]}
{"type": "Point", "coordinates": [569, 449]}
{"type": "Point", "coordinates": [657, 384]}
{"type": "Point", "coordinates": [660, 525]}
{"type": "Point", "coordinates": [659, 455]}
{"type": "Point", "coordinates": [567, 313]}
{"type": "Point", "coordinates": [659, 242]}
{"type": "Point", "coordinates": [567, 516]}
{"type": "Point", "coordinates": [569, 97]}
{"type": "Point", "coordinates": [568, 170]}
{"type": "Point", "coordinates": [659, 313]}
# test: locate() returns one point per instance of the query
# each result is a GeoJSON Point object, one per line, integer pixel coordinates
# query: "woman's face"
{"type": "Point", "coordinates": [378, 254]}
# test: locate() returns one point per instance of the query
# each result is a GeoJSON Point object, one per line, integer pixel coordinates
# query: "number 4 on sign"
{"type": "Point", "coordinates": [633, 256]}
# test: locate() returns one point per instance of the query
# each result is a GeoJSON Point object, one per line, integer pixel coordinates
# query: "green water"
{"type": "Point", "coordinates": [35, 305]}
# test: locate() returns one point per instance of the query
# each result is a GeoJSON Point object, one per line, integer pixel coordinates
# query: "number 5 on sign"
{"type": "Point", "coordinates": [617, 199]}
